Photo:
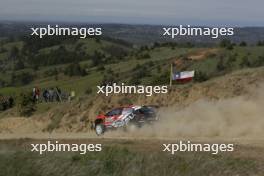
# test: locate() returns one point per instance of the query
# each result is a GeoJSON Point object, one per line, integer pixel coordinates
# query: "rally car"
{"type": "Point", "coordinates": [125, 117]}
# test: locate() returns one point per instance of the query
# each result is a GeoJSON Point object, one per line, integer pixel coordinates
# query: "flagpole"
{"type": "Point", "coordinates": [171, 76]}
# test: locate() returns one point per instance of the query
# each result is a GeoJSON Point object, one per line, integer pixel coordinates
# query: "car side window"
{"type": "Point", "coordinates": [114, 112]}
{"type": "Point", "coordinates": [109, 113]}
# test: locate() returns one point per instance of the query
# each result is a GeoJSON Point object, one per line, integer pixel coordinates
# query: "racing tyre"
{"type": "Point", "coordinates": [99, 129]}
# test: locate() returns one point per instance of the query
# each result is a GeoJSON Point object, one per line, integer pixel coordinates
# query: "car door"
{"type": "Point", "coordinates": [113, 116]}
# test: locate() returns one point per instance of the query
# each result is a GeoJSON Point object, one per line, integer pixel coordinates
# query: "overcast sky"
{"type": "Point", "coordinates": [194, 12]}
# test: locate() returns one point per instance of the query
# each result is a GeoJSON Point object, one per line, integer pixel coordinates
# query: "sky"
{"type": "Point", "coordinates": [176, 12]}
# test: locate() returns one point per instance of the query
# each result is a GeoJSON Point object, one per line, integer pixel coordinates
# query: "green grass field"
{"type": "Point", "coordinates": [121, 158]}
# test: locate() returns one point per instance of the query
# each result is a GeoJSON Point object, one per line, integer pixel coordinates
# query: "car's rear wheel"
{"type": "Point", "coordinates": [99, 129]}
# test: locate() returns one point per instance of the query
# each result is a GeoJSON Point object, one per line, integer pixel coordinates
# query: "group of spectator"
{"type": "Point", "coordinates": [49, 95]}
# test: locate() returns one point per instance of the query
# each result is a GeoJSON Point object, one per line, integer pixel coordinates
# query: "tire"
{"type": "Point", "coordinates": [99, 129]}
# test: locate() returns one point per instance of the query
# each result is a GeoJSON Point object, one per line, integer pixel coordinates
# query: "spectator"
{"type": "Point", "coordinates": [46, 95]}
{"type": "Point", "coordinates": [51, 94]}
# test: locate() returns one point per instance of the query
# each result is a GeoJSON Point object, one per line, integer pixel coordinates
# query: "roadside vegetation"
{"type": "Point", "coordinates": [120, 160]}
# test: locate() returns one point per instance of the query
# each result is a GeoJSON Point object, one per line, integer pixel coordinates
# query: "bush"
{"type": "Point", "coordinates": [225, 43]}
{"type": "Point", "coordinates": [143, 56]}
{"type": "Point", "coordinates": [200, 76]}
{"type": "Point", "coordinates": [25, 104]}
{"type": "Point", "coordinates": [245, 62]}
{"type": "Point", "coordinates": [97, 58]}
{"type": "Point", "coordinates": [115, 51]}
{"type": "Point", "coordinates": [161, 79]}
{"type": "Point", "coordinates": [88, 91]}
{"type": "Point", "coordinates": [51, 72]}
{"type": "Point", "coordinates": [74, 69]}
{"type": "Point", "coordinates": [221, 65]}
{"type": "Point", "coordinates": [243, 43]}
{"type": "Point", "coordinates": [100, 68]}
{"type": "Point", "coordinates": [134, 81]}
{"type": "Point", "coordinates": [258, 62]}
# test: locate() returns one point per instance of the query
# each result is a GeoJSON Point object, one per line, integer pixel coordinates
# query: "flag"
{"type": "Point", "coordinates": [183, 76]}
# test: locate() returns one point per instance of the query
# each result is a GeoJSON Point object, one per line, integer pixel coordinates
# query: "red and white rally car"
{"type": "Point", "coordinates": [128, 116]}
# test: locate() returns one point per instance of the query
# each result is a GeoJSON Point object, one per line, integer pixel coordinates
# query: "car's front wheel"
{"type": "Point", "coordinates": [99, 129]}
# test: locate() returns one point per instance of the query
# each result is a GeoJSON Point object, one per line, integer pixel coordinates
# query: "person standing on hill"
{"type": "Point", "coordinates": [46, 95]}
{"type": "Point", "coordinates": [51, 94]}
{"type": "Point", "coordinates": [34, 93]}
{"type": "Point", "coordinates": [37, 93]}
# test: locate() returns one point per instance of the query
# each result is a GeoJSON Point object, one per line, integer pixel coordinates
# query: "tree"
{"type": "Point", "coordinates": [226, 43]}
{"type": "Point", "coordinates": [13, 55]}
{"type": "Point", "coordinates": [243, 43]}
{"type": "Point", "coordinates": [25, 104]}
{"type": "Point", "coordinates": [97, 58]}
{"type": "Point", "coordinates": [245, 62]}
{"type": "Point", "coordinates": [19, 65]}
{"type": "Point", "coordinates": [260, 43]}
{"type": "Point", "coordinates": [14, 52]}
{"type": "Point", "coordinates": [74, 69]}
{"type": "Point", "coordinates": [221, 65]}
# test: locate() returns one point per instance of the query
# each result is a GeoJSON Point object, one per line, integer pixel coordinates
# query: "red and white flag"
{"type": "Point", "coordinates": [183, 76]}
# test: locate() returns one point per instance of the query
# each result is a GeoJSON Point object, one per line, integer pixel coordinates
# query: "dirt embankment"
{"type": "Point", "coordinates": [212, 108]}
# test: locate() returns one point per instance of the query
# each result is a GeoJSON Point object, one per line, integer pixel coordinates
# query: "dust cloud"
{"type": "Point", "coordinates": [239, 117]}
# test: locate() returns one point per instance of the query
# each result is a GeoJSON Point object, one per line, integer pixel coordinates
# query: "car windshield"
{"type": "Point", "coordinates": [127, 111]}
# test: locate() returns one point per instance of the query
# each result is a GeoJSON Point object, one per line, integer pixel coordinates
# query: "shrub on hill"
{"type": "Point", "coordinates": [74, 69]}
{"type": "Point", "coordinates": [226, 43]}
{"type": "Point", "coordinates": [200, 76]}
{"type": "Point", "coordinates": [260, 43]}
{"type": "Point", "coordinates": [25, 104]}
{"type": "Point", "coordinates": [51, 72]}
{"type": "Point", "coordinates": [115, 51]}
{"type": "Point", "coordinates": [97, 58]}
{"type": "Point", "coordinates": [33, 44]}
{"type": "Point", "coordinates": [245, 62]}
{"type": "Point", "coordinates": [243, 43]}
{"type": "Point", "coordinates": [88, 91]}
{"type": "Point", "coordinates": [144, 55]}
{"type": "Point", "coordinates": [161, 79]}
{"type": "Point", "coordinates": [57, 56]}
{"type": "Point", "coordinates": [258, 62]}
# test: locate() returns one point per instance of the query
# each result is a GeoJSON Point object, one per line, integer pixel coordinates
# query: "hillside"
{"type": "Point", "coordinates": [223, 104]}
{"type": "Point", "coordinates": [76, 116]}
{"type": "Point", "coordinates": [91, 62]}
{"type": "Point", "coordinates": [79, 65]}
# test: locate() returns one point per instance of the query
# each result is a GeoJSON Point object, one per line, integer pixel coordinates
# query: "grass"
{"type": "Point", "coordinates": [119, 160]}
